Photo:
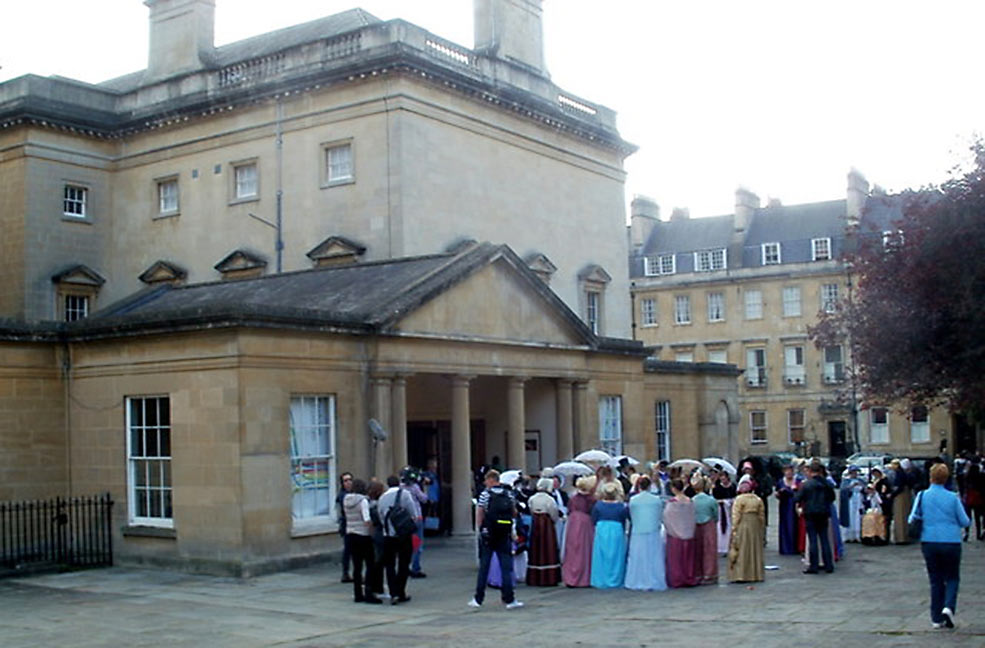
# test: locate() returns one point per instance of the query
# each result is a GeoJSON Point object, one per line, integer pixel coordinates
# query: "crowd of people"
{"type": "Point", "coordinates": [667, 527]}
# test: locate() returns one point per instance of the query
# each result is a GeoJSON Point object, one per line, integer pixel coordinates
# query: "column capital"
{"type": "Point", "coordinates": [518, 381]}
{"type": "Point", "coordinates": [565, 382]}
{"type": "Point", "coordinates": [381, 379]}
{"type": "Point", "coordinates": [461, 379]}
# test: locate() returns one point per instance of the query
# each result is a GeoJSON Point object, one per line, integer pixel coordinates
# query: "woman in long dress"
{"type": "Point", "coordinates": [609, 546]}
{"type": "Point", "coordinates": [579, 535]}
{"type": "Point", "coordinates": [850, 505]}
{"type": "Point", "coordinates": [724, 494]}
{"type": "Point", "coordinates": [645, 566]}
{"type": "Point", "coordinates": [679, 523]}
{"type": "Point", "coordinates": [786, 490]}
{"type": "Point", "coordinates": [543, 565]}
{"type": "Point", "coordinates": [745, 556]}
{"type": "Point", "coordinates": [705, 533]}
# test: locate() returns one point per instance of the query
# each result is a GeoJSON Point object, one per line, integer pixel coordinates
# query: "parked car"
{"type": "Point", "coordinates": [865, 461]}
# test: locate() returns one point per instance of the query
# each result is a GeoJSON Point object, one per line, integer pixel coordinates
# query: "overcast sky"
{"type": "Point", "coordinates": [781, 97]}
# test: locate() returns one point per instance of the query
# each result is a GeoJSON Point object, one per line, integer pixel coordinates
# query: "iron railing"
{"type": "Point", "coordinates": [60, 533]}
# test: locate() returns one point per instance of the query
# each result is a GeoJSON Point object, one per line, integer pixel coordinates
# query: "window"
{"type": "Point", "coordinates": [716, 307]}
{"type": "Point", "coordinates": [756, 367]}
{"type": "Point", "coordinates": [312, 437]}
{"type": "Point", "coordinates": [829, 297]}
{"type": "Point", "coordinates": [76, 307]}
{"type": "Point", "coordinates": [708, 260]}
{"type": "Point", "coordinates": [245, 181]}
{"type": "Point", "coordinates": [879, 425]}
{"type": "Point", "coordinates": [662, 419]}
{"type": "Point", "coordinates": [919, 425]}
{"type": "Point", "coordinates": [821, 249]}
{"type": "Point", "coordinates": [791, 301]}
{"type": "Point", "coordinates": [754, 304]}
{"type": "Point", "coordinates": [757, 426]}
{"type": "Point", "coordinates": [663, 264]}
{"type": "Point", "coordinates": [592, 310]}
{"type": "Point", "coordinates": [718, 356]}
{"type": "Point", "coordinates": [648, 312]}
{"type": "Point", "coordinates": [74, 201]}
{"type": "Point", "coordinates": [684, 356]}
{"type": "Point", "coordinates": [793, 365]}
{"type": "Point", "coordinates": [795, 426]}
{"type": "Point", "coordinates": [610, 424]}
{"type": "Point", "coordinates": [682, 309]}
{"type": "Point", "coordinates": [834, 369]}
{"type": "Point", "coordinates": [167, 196]}
{"type": "Point", "coordinates": [338, 164]}
{"type": "Point", "coordinates": [148, 421]}
{"type": "Point", "coordinates": [892, 239]}
{"type": "Point", "coordinates": [771, 253]}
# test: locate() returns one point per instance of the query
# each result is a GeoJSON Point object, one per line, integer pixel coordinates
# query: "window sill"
{"type": "Point", "coordinates": [682, 323]}
{"type": "Point", "coordinates": [305, 529]}
{"type": "Point", "coordinates": [338, 183]}
{"type": "Point", "coordinates": [758, 443]}
{"type": "Point", "coordinates": [649, 325]}
{"type": "Point", "coordinates": [84, 220]}
{"type": "Point", "coordinates": [245, 199]}
{"type": "Point", "coordinates": [143, 531]}
{"type": "Point", "coordinates": [166, 215]}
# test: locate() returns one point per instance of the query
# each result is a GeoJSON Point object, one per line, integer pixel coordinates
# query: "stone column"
{"type": "Point", "coordinates": [382, 459]}
{"type": "Point", "coordinates": [398, 423]}
{"type": "Point", "coordinates": [461, 457]}
{"type": "Point", "coordinates": [583, 428]}
{"type": "Point", "coordinates": [565, 429]}
{"type": "Point", "coordinates": [516, 457]}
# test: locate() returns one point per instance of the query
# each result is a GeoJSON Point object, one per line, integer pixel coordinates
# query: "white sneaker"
{"type": "Point", "coordinates": [514, 605]}
{"type": "Point", "coordinates": [948, 617]}
{"type": "Point", "coordinates": [474, 604]}
{"type": "Point", "coordinates": [936, 626]}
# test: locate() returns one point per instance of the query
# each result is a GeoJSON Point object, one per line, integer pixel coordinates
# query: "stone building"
{"type": "Point", "coordinates": [743, 288]}
{"type": "Point", "coordinates": [217, 270]}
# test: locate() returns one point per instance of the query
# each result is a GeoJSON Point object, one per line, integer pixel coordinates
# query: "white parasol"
{"type": "Point", "coordinates": [618, 458]}
{"type": "Point", "coordinates": [688, 464]}
{"type": "Point", "coordinates": [509, 477]}
{"type": "Point", "coordinates": [594, 457]}
{"type": "Point", "coordinates": [721, 464]}
{"type": "Point", "coordinates": [573, 468]}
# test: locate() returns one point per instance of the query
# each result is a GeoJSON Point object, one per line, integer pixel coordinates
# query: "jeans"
{"type": "Point", "coordinates": [943, 561]}
{"type": "Point", "coordinates": [415, 561]}
{"type": "Point", "coordinates": [396, 558]}
{"type": "Point", "coordinates": [346, 557]}
{"type": "Point", "coordinates": [361, 551]}
{"type": "Point", "coordinates": [817, 529]}
{"type": "Point", "coordinates": [503, 548]}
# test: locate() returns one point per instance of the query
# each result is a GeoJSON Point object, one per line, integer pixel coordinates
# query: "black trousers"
{"type": "Point", "coordinates": [361, 552]}
{"type": "Point", "coordinates": [817, 531]}
{"type": "Point", "coordinates": [396, 560]}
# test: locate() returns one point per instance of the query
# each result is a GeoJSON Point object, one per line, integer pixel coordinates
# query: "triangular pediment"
{"type": "Point", "coordinates": [594, 274]}
{"type": "Point", "coordinates": [336, 247]}
{"type": "Point", "coordinates": [496, 302]}
{"type": "Point", "coordinates": [163, 272]}
{"type": "Point", "coordinates": [79, 275]}
{"type": "Point", "coordinates": [539, 263]}
{"type": "Point", "coordinates": [241, 260]}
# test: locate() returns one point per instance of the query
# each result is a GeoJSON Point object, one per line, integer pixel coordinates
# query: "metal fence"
{"type": "Point", "coordinates": [55, 534]}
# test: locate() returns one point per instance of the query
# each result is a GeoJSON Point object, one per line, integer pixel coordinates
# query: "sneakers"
{"type": "Point", "coordinates": [474, 604]}
{"type": "Point", "coordinates": [948, 617]}
{"type": "Point", "coordinates": [418, 574]}
{"type": "Point", "coordinates": [936, 626]}
{"type": "Point", "coordinates": [514, 605]}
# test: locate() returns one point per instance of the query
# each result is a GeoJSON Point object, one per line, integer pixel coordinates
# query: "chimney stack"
{"type": "Point", "coordinates": [182, 36]}
{"type": "Point", "coordinates": [680, 214]}
{"type": "Point", "coordinates": [746, 204]}
{"type": "Point", "coordinates": [644, 215]}
{"type": "Point", "coordinates": [511, 30]}
{"type": "Point", "coordinates": [858, 191]}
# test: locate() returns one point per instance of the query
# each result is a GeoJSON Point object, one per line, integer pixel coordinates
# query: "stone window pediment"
{"type": "Point", "coordinates": [335, 250]}
{"type": "Point", "coordinates": [241, 264]}
{"type": "Point", "coordinates": [541, 266]}
{"type": "Point", "coordinates": [79, 275]}
{"type": "Point", "coordinates": [162, 271]}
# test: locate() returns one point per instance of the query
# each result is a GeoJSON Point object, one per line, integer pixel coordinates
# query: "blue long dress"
{"type": "Point", "coordinates": [787, 528]}
{"type": "Point", "coordinates": [609, 546]}
{"type": "Point", "coordinates": [645, 565]}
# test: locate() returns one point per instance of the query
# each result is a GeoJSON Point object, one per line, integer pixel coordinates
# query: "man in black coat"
{"type": "Point", "coordinates": [815, 498]}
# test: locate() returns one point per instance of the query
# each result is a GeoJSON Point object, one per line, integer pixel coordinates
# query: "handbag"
{"type": "Point", "coordinates": [916, 526]}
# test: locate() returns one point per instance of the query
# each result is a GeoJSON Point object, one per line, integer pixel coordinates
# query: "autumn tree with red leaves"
{"type": "Point", "coordinates": [915, 316]}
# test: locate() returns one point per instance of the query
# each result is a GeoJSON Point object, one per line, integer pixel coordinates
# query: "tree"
{"type": "Point", "coordinates": [914, 319]}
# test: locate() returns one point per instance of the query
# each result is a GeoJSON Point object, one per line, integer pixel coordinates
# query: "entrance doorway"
{"type": "Point", "coordinates": [965, 437]}
{"type": "Point", "coordinates": [836, 439]}
{"type": "Point", "coordinates": [531, 447]}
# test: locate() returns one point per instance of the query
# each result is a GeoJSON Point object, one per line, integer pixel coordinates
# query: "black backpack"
{"type": "Point", "coordinates": [499, 512]}
{"type": "Point", "coordinates": [400, 518]}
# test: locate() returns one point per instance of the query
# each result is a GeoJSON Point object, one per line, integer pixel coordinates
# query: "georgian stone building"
{"type": "Point", "coordinates": [743, 288]}
{"type": "Point", "coordinates": [218, 269]}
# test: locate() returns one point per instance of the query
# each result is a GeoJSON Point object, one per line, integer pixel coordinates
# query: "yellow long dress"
{"type": "Point", "coordinates": [745, 554]}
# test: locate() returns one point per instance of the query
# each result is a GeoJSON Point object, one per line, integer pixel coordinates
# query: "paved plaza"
{"type": "Point", "coordinates": [877, 597]}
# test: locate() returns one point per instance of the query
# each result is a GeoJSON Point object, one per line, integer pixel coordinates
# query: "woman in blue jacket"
{"type": "Point", "coordinates": [943, 518]}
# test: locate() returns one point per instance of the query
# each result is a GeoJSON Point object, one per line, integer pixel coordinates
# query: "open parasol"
{"type": "Point", "coordinates": [594, 457]}
{"type": "Point", "coordinates": [720, 464]}
{"type": "Point", "coordinates": [509, 477]}
{"type": "Point", "coordinates": [573, 468]}
{"type": "Point", "coordinates": [689, 464]}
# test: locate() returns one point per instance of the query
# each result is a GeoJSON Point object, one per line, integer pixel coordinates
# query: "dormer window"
{"type": "Point", "coordinates": [821, 249]}
{"type": "Point", "coordinates": [771, 253]}
{"type": "Point", "coordinates": [710, 260]}
{"type": "Point", "coordinates": [662, 264]}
